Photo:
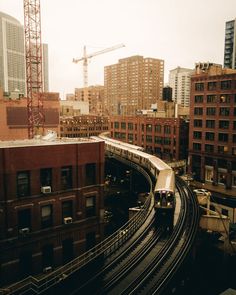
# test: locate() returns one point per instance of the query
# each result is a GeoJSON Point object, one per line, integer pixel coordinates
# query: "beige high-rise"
{"type": "Point", "coordinates": [133, 84]}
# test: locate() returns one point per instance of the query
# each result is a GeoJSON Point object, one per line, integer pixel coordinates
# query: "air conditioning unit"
{"type": "Point", "coordinates": [24, 231]}
{"type": "Point", "coordinates": [46, 189]}
{"type": "Point", "coordinates": [47, 269]}
{"type": "Point", "coordinates": [67, 220]}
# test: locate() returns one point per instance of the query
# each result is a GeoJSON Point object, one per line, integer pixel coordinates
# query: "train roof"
{"type": "Point", "coordinates": [166, 181]}
{"type": "Point", "coordinates": [128, 145]}
{"type": "Point", "coordinates": [159, 164]}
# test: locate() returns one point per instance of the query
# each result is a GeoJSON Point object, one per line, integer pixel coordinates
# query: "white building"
{"type": "Point", "coordinates": [180, 82]}
{"type": "Point", "coordinates": [12, 56]}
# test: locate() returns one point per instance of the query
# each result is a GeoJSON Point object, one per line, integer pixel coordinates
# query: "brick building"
{"type": "Point", "coordinates": [14, 117]}
{"type": "Point", "coordinates": [51, 203]}
{"type": "Point", "coordinates": [212, 128]}
{"type": "Point", "coordinates": [165, 137]}
{"type": "Point", "coordinates": [83, 126]}
{"type": "Point", "coordinates": [133, 84]}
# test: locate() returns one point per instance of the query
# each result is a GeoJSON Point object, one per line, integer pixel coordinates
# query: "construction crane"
{"type": "Point", "coordinates": [86, 57]}
{"type": "Point", "coordinates": [34, 68]}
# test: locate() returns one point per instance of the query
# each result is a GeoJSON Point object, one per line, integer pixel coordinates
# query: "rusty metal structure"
{"type": "Point", "coordinates": [34, 67]}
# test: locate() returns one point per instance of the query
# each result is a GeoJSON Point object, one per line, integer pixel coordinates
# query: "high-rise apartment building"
{"type": "Point", "coordinates": [179, 81]}
{"type": "Point", "coordinates": [133, 84]}
{"type": "Point", "coordinates": [12, 56]}
{"type": "Point", "coordinates": [212, 126]}
{"type": "Point", "coordinates": [230, 45]}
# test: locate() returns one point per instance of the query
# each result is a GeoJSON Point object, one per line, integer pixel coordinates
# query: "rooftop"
{"type": "Point", "coordinates": [49, 139]}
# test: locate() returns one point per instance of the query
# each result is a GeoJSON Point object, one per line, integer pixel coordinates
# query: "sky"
{"type": "Point", "coordinates": [181, 32]}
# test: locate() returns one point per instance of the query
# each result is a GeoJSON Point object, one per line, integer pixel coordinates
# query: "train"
{"type": "Point", "coordinates": [164, 188]}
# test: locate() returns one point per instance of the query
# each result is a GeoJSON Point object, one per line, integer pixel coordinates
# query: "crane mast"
{"type": "Point", "coordinates": [88, 56]}
{"type": "Point", "coordinates": [34, 69]}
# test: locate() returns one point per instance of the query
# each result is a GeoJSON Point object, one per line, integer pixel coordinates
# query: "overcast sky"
{"type": "Point", "coordinates": [181, 32]}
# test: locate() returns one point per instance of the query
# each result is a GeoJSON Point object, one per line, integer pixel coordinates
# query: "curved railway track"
{"type": "Point", "coordinates": [150, 265]}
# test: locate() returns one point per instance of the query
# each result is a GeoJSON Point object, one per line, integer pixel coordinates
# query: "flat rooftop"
{"type": "Point", "coordinates": [45, 141]}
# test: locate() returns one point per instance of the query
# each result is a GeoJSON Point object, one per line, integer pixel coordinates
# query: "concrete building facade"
{"type": "Point", "coordinates": [212, 127]}
{"type": "Point", "coordinates": [51, 203]}
{"type": "Point", "coordinates": [230, 45]}
{"type": "Point", "coordinates": [180, 82]}
{"type": "Point", "coordinates": [133, 84]}
{"type": "Point", "coordinates": [12, 56]}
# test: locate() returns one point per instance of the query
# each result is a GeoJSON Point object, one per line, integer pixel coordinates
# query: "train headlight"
{"type": "Point", "coordinates": [158, 203]}
{"type": "Point", "coordinates": [168, 204]}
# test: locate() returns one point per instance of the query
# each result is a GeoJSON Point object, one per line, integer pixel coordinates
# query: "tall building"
{"type": "Point", "coordinates": [12, 56]}
{"type": "Point", "coordinates": [212, 126]}
{"type": "Point", "coordinates": [230, 45]}
{"type": "Point", "coordinates": [179, 81]}
{"type": "Point", "coordinates": [133, 84]}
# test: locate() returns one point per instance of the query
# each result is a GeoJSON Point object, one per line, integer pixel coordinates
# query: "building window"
{"type": "Point", "coordinates": [149, 128]}
{"type": "Point", "coordinates": [24, 218]}
{"type": "Point", "coordinates": [90, 173]}
{"type": "Point", "coordinates": [223, 137]}
{"type": "Point", "coordinates": [222, 149]}
{"type": "Point", "coordinates": [158, 128]}
{"type": "Point", "coordinates": [167, 141]}
{"type": "Point", "coordinates": [211, 98]}
{"type": "Point", "coordinates": [198, 98]}
{"type": "Point", "coordinates": [46, 216]}
{"type": "Point", "coordinates": [209, 148]}
{"type": "Point", "coordinates": [46, 177]}
{"type": "Point", "coordinates": [198, 111]}
{"type": "Point", "coordinates": [225, 98]}
{"type": "Point", "coordinates": [211, 111]}
{"type": "Point", "coordinates": [130, 126]}
{"type": "Point", "coordinates": [67, 209]}
{"type": "Point", "coordinates": [167, 129]}
{"type": "Point", "coordinates": [197, 123]}
{"type": "Point", "coordinates": [158, 139]}
{"type": "Point", "coordinates": [148, 138]}
{"type": "Point", "coordinates": [223, 124]}
{"type": "Point", "coordinates": [224, 111]}
{"type": "Point", "coordinates": [210, 136]}
{"type": "Point", "coordinates": [210, 123]}
{"type": "Point", "coordinates": [197, 134]}
{"type": "Point", "coordinates": [199, 86]}
{"type": "Point", "coordinates": [130, 136]}
{"type": "Point", "coordinates": [23, 183]}
{"type": "Point", "coordinates": [66, 178]}
{"type": "Point", "coordinates": [212, 85]}
{"type": "Point", "coordinates": [234, 138]}
{"type": "Point", "coordinates": [116, 125]}
{"type": "Point", "coordinates": [123, 125]}
{"type": "Point", "coordinates": [225, 84]}
{"type": "Point", "coordinates": [197, 146]}
{"type": "Point", "coordinates": [90, 206]}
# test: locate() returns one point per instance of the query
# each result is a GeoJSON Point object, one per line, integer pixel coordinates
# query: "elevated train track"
{"type": "Point", "coordinates": [162, 256]}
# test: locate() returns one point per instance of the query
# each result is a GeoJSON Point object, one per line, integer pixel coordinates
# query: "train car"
{"type": "Point", "coordinates": [124, 144]}
{"type": "Point", "coordinates": [164, 191]}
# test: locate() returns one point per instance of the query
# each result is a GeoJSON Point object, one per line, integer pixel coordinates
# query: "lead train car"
{"type": "Point", "coordinates": [164, 190]}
